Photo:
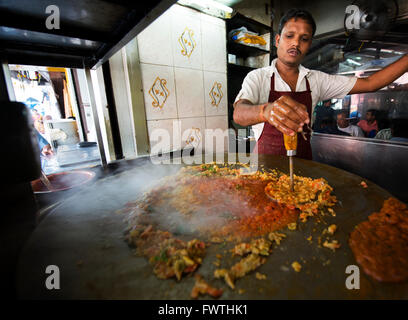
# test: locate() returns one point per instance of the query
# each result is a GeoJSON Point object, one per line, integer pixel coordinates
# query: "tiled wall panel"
{"type": "Point", "coordinates": [183, 63]}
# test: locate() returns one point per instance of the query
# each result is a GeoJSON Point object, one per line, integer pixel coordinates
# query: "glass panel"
{"type": "Point", "coordinates": [378, 115]}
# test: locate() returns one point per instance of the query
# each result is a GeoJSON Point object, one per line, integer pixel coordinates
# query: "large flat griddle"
{"type": "Point", "coordinates": [84, 238]}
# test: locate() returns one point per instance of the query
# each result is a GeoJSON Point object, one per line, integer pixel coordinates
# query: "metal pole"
{"type": "Point", "coordinates": [291, 173]}
{"type": "Point", "coordinates": [6, 85]}
{"type": "Point", "coordinates": [95, 117]}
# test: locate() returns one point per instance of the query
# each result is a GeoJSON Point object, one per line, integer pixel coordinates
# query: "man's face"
{"type": "Point", "coordinates": [342, 122]}
{"type": "Point", "coordinates": [369, 116]}
{"type": "Point", "coordinates": [294, 41]}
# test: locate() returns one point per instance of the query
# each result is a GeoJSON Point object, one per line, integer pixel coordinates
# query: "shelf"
{"type": "Point", "coordinates": [240, 20]}
{"type": "Point", "coordinates": [242, 50]}
{"type": "Point", "coordinates": [236, 68]}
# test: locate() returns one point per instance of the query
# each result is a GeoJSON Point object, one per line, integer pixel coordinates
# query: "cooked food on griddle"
{"type": "Point", "coordinates": [380, 244]}
{"type": "Point", "coordinates": [218, 204]}
{"type": "Point", "coordinates": [240, 269]}
{"type": "Point", "coordinates": [296, 266]}
{"type": "Point", "coordinates": [169, 256]}
{"type": "Point", "coordinates": [257, 246]}
{"type": "Point", "coordinates": [202, 287]}
{"type": "Point", "coordinates": [276, 236]}
{"type": "Point", "coordinates": [215, 201]}
{"type": "Point", "coordinates": [310, 196]}
{"type": "Point", "coordinates": [332, 245]}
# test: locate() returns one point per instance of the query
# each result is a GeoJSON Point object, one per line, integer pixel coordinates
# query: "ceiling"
{"type": "Point", "coordinates": [90, 31]}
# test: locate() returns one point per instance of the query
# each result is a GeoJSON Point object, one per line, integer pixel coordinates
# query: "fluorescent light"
{"type": "Point", "coordinates": [206, 4]}
{"type": "Point", "coordinates": [219, 6]}
{"type": "Point", "coordinates": [353, 62]}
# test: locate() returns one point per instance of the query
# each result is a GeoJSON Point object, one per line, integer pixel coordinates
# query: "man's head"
{"type": "Point", "coordinates": [371, 115]}
{"type": "Point", "coordinates": [327, 103]}
{"type": "Point", "coordinates": [294, 38]}
{"type": "Point", "coordinates": [342, 120]}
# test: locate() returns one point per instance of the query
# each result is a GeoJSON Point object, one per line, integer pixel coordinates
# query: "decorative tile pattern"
{"type": "Point", "coordinates": [194, 137]}
{"type": "Point", "coordinates": [192, 132]}
{"type": "Point", "coordinates": [216, 94]}
{"type": "Point", "coordinates": [159, 92]}
{"type": "Point", "coordinates": [187, 42]}
{"type": "Point", "coordinates": [186, 37]}
{"type": "Point", "coordinates": [215, 97]}
{"type": "Point", "coordinates": [150, 73]}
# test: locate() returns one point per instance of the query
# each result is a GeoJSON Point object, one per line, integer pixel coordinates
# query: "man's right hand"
{"type": "Point", "coordinates": [286, 115]}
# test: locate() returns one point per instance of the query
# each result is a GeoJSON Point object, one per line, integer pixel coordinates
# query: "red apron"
{"type": "Point", "coordinates": [271, 139]}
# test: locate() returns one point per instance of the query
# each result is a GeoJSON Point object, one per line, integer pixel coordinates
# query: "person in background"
{"type": "Point", "coordinates": [44, 146]}
{"type": "Point", "coordinates": [384, 134]}
{"type": "Point", "coordinates": [323, 110]}
{"type": "Point", "coordinates": [343, 124]}
{"type": "Point", "coordinates": [329, 126]}
{"type": "Point", "coordinates": [369, 125]}
{"type": "Point", "coordinates": [354, 117]}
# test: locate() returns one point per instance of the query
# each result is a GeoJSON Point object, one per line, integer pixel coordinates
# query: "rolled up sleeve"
{"type": "Point", "coordinates": [250, 88]}
{"type": "Point", "coordinates": [334, 86]}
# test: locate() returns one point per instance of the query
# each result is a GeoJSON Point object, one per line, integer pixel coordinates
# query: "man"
{"type": "Point", "coordinates": [322, 111]}
{"type": "Point", "coordinates": [343, 124]}
{"type": "Point", "coordinates": [278, 99]}
{"type": "Point", "coordinates": [369, 126]}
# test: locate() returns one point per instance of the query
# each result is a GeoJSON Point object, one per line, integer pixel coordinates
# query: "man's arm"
{"type": "Point", "coordinates": [381, 78]}
{"type": "Point", "coordinates": [247, 114]}
{"type": "Point", "coordinates": [285, 114]}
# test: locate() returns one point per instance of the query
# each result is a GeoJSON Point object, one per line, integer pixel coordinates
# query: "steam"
{"type": "Point", "coordinates": [105, 196]}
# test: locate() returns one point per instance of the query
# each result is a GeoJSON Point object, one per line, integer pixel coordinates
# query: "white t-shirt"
{"type": "Point", "coordinates": [257, 84]}
{"type": "Point", "coordinates": [354, 131]}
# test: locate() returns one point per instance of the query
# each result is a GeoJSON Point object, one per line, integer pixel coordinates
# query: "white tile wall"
{"type": "Point", "coordinates": [190, 92]}
{"type": "Point", "coordinates": [218, 122]}
{"type": "Point", "coordinates": [149, 75]}
{"type": "Point", "coordinates": [153, 42]}
{"type": "Point", "coordinates": [189, 77]}
{"type": "Point", "coordinates": [186, 21]}
{"type": "Point", "coordinates": [192, 132]}
{"type": "Point", "coordinates": [215, 93]}
{"type": "Point", "coordinates": [213, 46]}
{"type": "Point", "coordinates": [163, 129]}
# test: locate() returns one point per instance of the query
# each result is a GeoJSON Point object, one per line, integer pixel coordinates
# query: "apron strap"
{"type": "Point", "coordinates": [273, 82]}
{"type": "Point", "coordinates": [307, 84]}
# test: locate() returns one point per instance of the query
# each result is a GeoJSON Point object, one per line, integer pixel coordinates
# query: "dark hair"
{"type": "Point", "coordinates": [373, 112]}
{"type": "Point", "coordinates": [297, 13]}
{"type": "Point", "coordinates": [345, 112]}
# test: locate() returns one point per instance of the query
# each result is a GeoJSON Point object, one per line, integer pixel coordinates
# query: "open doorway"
{"type": "Point", "coordinates": [65, 130]}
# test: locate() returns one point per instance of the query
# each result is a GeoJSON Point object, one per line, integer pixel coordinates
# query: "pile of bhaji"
{"type": "Point", "coordinates": [173, 224]}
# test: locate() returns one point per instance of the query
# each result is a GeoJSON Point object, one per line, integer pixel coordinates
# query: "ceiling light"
{"type": "Point", "coordinates": [351, 61]}
{"type": "Point", "coordinates": [211, 7]}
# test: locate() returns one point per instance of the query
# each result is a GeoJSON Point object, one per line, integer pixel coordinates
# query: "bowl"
{"type": "Point", "coordinates": [63, 181]}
